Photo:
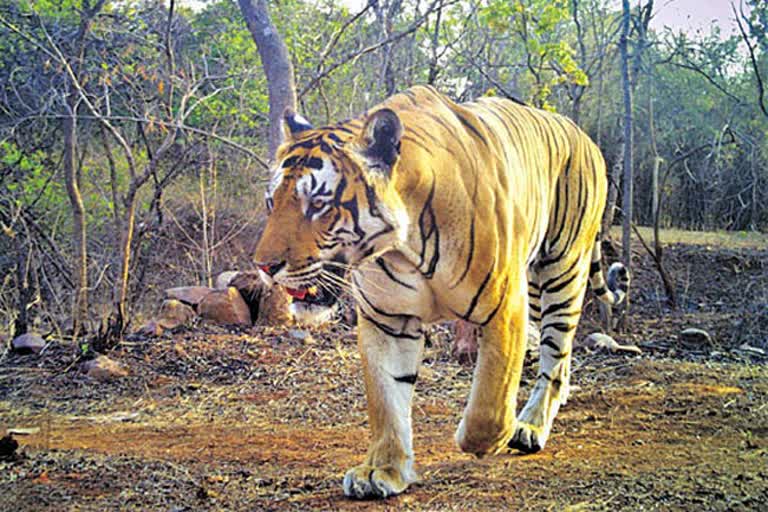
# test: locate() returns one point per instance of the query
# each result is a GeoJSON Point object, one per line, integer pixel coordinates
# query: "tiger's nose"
{"type": "Point", "coordinates": [271, 268]}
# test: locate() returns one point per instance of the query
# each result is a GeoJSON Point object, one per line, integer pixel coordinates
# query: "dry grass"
{"type": "Point", "coordinates": [213, 419]}
{"type": "Point", "coordinates": [718, 239]}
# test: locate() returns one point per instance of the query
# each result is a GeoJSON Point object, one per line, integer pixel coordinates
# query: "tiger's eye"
{"type": "Point", "coordinates": [318, 204]}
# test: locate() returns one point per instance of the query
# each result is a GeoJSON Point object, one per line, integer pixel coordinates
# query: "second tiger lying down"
{"type": "Point", "coordinates": [443, 211]}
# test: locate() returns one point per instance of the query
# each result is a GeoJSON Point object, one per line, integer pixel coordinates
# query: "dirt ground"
{"type": "Point", "coordinates": [270, 419]}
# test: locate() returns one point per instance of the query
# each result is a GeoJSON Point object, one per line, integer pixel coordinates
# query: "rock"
{"type": "Point", "coordinates": [749, 349]}
{"type": "Point", "coordinates": [274, 307]}
{"type": "Point", "coordinates": [103, 369]}
{"type": "Point", "coordinates": [191, 295]}
{"type": "Point", "coordinates": [23, 431]}
{"type": "Point", "coordinates": [174, 313]}
{"type": "Point", "coordinates": [151, 328]}
{"type": "Point", "coordinates": [298, 334]}
{"type": "Point", "coordinates": [28, 344]}
{"type": "Point", "coordinates": [601, 341]}
{"type": "Point", "coordinates": [695, 336]}
{"type": "Point", "coordinates": [268, 305]}
{"type": "Point", "coordinates": [251, 287]}
{"type": "Point", "coordinates": [225, 307]}
{"type": "Point", "coordinates": [224, 279]}
{"type": "Point", "coordinates": [8, 447]}
{"type": "Point", "coordinates": [302, 335]}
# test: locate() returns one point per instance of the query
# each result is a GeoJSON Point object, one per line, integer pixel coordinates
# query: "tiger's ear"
{"type": "Point", "coordinates": [380, 140]}
{"type": "Point", "coordinates": [292, 123]}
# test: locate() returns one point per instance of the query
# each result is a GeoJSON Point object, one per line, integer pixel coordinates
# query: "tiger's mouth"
{"type": "Point", "coordinates": [314, 295]}
{"type": "Point", "coordinates": [322, 291]}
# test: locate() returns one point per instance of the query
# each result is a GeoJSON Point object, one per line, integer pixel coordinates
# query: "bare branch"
{"type": "Point", "coordinates": [708, 78]}
{"type": "Point", "coordinates": [368, 49]}
{"type": "Point", "coordinates": [753, 59]}
{"type": "Point", "coordinates": [335, 37]}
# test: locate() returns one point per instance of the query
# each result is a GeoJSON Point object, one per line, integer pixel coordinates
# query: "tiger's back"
{"type": "Point", "coordinates": [510, 179]}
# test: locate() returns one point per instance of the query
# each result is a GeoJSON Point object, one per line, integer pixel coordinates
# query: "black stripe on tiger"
{"type": "Point", "coordinates": [380, 262]}
{"type": "Point", "coordinates": [469, 126]}
{"type": "Point", "coordinates": [470, 255]}
{"type": "Point", "coordinates": [553, 308]}
{"type": "Point", "coordinates": [496, 309]}
{"type": "Point", "coordinates": [407, 379]}
{"type": "Point", "coordinates": [549, 342]}
{"type": "Point", "coordinates": [547, 285]}
{"type": "Point", "coordinates": [558, 326]}
{"type": "Point", "coordinates": [428, 228]}
{"type": "Point", "coordinates": [389, 331]}
{"type": "Point", "coordinates": [476, 298]}
{"type": "Point", "coordinates": [377, 309]}
{"type": "Point", "coordinates": [614, 291]}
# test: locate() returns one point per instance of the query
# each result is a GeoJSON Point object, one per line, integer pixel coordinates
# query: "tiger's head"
{"type": "Point", "coordinates": [331, 204]}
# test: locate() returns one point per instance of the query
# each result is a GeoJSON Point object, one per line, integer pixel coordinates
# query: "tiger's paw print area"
{"type": "Point", "coordinates": [367, 482]}
{"type": "Point", "coordinates": [528, 438]}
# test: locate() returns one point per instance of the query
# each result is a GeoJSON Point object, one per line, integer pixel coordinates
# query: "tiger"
{"type": "Point", "coordinates": [429, 210]}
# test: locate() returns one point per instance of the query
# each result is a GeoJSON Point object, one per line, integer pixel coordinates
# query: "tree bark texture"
{"type": "Point", "coordinates": [277, 65]}
{"type": "Point", "coordinates": [614, 179]}
{"type": "Point", "coordinates": [627, 181]}
{"type": "Point", "coordinates": [386, 12]}
{"type": "Point", "coordinates": [79, 228]}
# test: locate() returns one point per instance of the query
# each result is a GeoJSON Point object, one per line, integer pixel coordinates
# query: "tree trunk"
{"type": "Point", "coordinates": [386, 12]}
{"type": "Point", "coordinates": [433, 67]}
{"type": "Point", "coordinates": [276, 63]}
{"type": "Point", "coordinates": [627, 180]}
{"type": "Point", "coordinates": [79, 233]}
{"type": "Point", "coordinates": [278, 70]}
{"type": "Point", "coordinates": [614, 178]}
{"type": "Point", "coordinates": [26, 292]}
{"type": "Point", "coordinates": [71, 178]}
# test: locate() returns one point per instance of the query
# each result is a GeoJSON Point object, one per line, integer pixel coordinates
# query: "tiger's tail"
{"type": "Point", "coordinates": [618, 279]}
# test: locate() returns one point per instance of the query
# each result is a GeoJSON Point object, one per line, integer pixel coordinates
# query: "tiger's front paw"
{"type": "Point", "coordinates": [366, 481]}
{"type": "Point", "coordinates": [529, 438]}
{"type": "Point", "coordinates": [482, 438]}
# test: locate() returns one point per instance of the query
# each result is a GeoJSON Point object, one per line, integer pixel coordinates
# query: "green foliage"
{"type": "Point", "coordinates": [539, 25]}
{"type": "Point", "coordinates": [31, 178]}
{"type": "Point", "coordinates": [700, 87]}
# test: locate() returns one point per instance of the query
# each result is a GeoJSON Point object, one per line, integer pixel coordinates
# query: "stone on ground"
{"type": "Point", "coordinates": [28, 344]}
{"type": "Point", "coordinates": [225, 307]}
{"type": "Point", "coordinates": [174, 313]}
{"type": "Point", "coordinates": [224, 279]}
{"type": "Point", "coordinates": [695, 336]}
{"type": "Point", "coordinates": [191, 295]}
{"type": "Point", "coordinates": [268, 305]}
{"type": "Point", "coordinates": [103, 369]}
{"type": "Point", "coordinates": [151, 328]}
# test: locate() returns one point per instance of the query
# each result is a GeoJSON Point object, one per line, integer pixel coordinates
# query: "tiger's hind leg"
{"type": "Point", "coordinates": [534, 309]}
{"type": "Point", "coordinates": [563, 286]}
